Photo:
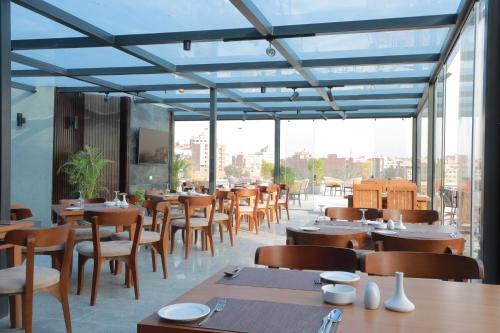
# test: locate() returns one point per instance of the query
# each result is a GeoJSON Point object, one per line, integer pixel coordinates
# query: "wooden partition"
{"type": "Point", "coordinates": [90, 119]}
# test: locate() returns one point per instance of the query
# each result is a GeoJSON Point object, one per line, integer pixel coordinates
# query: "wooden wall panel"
{"type": "Point", "coordinates": [103, 124]}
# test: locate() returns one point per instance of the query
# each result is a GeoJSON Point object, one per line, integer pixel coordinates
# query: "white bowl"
{"type": "Point", "coordinates": [338, 294]}
{"type": "Point", "coordinates": [109, 203]}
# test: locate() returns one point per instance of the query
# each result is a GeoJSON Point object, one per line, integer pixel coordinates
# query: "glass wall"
{"type": "Point", "coordinates": [422, 149]}
{"type": "Point", "coordinates": [438, 173]}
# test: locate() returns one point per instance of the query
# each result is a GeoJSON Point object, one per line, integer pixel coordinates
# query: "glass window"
{"type": "Point", "coordinates": [422, 149]}
{"type": "Point", "coordinates": [439, 197]}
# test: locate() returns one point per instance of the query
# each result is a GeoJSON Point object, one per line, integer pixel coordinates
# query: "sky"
{"type": "Point", "coordinates": [354, 137]}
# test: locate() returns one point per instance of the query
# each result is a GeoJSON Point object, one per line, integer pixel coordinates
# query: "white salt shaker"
{"type": "Point", "coordinates": [372, 296]}
{"type": "Point", "coordinates": [390, 224]}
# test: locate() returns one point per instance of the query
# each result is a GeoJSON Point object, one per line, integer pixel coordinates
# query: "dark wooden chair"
{"type": "Point", "coordinates": [17, 214]}
{"type": "Point", "coordinates": [307, 257]}
{"type": "Point", "coordinates": [193, 222]}
{"type": "Point", "coordinates": [398, 243]}
{"type": "Point", "coordinates": [100, 251]}
{"type": "Point", "coordinates": [30, 279]}
{"type": "Point", "coordinates": [423, 265]}
{"type": "Point", "coordinates": [411, 216]}
{"type": "Point", "coordinates": [155, 237]}
{"type": "Point", "coordinates": [224, 213]}
{"type": "Point", "coordinates": [351, 214]}
{"type": "Point", "coordinates": [347, 240]}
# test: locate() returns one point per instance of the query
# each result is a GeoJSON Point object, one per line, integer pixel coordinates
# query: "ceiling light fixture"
{"type": "Point", "coordinates": [262, 90]}
{"type": "Point", "coordinates": [186, 45]}
{"type": "Point", "coordinates": [180, 91]}
{"type": "Point", "coordinates": [294, 96]}
{"type": "Point", "coordinates": [270, 51]}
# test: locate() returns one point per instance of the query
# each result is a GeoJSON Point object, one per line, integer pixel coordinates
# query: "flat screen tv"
{"type": "Point", "coordinates": [153, 146]}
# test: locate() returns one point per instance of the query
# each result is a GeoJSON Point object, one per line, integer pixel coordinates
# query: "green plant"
{"type": "Point", "coordinates": [287, 176]}
{"type": "Point", "coordinates": [141, 192]}
{"type": "Point", "coordinates": [84, 170]}
{"type": "Point", "coordinates": [178, 165]}
{"type": "Point", "coordinates": [316, 167]}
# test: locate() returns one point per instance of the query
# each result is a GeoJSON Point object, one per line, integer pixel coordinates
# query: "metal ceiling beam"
{"type": "Point", "coordinates": [240, 66]}
{"type": "Point", "coordinates": [233, 34]}
{"type": "Point", "coordinates": [258, 84]}
{"type": "Point", "coordinates": [310, 108]}
{"type": "Point", "coordinates": [22, 86]}
{"type": "Point", "coordinates": [265, 28]}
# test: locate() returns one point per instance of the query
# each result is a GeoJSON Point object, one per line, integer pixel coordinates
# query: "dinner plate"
{"type": "Point", "coordinates": [73, 208]}
{"type": "Point", "coordinates": [386, 232]}
{"type": "Point", "coordinates": [340, 277]}
{"type": "Point", "coordinates": [310, 228]}
{"type": "Point", "coordinates": [184, 312]}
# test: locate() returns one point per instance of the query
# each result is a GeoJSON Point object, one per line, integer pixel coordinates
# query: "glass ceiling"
{"type": "Point", "coordinates": [227, 49]}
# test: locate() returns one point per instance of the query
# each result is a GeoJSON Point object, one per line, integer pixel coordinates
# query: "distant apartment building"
{"type": "Point", "coordinates": [199, 158]}
{"type": "Point", "coordinates": [222, 159]}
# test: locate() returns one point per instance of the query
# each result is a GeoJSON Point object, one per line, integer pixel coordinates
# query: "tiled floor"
{"type": "Point", "coordinates": [117, 310]}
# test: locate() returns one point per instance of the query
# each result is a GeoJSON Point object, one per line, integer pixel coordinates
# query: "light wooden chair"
{"type": "Point", "coordinates": [283, 197]}
{"type": "Point", "coordinates": [247, 211]}
{"type": "Point", "coordinates": [402, 196]}
{"type": "Point", "coordinates": [156, 238]}
{"type": "Point", "coordinates": [423, 265]}
{"type": "Point", "coordinates": [30, 279]}
{"type": "Point", "coordinates": [411, 216]}
{"type": "Point", "coordinates": [224, 213]}
{"type": "Point", "coordinates": [322, 258]}
{"type": "Point", "coordinates": [367, 196]}
{"type": "Point", "coordinates": [350, 214]}
{"type": "Point", "coordinates": [268, 208]}
{"type": "Point", "coordinates": [193, 222]}
{"type": "Point", "coordinates": [125, 251]}
{"type": "Point", "coordinates": [399, 243]}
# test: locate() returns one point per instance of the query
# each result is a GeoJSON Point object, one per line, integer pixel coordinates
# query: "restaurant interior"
{"type": "Point", "coordinates": [249, 166]}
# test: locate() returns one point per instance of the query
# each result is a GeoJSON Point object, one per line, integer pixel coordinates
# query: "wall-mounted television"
{"type": "Point", "coordinates": [153, 146]}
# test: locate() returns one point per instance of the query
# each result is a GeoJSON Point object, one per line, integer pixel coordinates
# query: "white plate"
{"type": "Point", "coordinates": [340, 277]}
{"type": "Point", "coordinates": [373, 223]}
{"type": "Point", "coordinates": [73, 208]}
{"type": "Point", "coordinates": [310, 228]}
{"type": "Point", "coordinates": [386, 232]}
{"type": "Point", "coordinates": [184, 312]}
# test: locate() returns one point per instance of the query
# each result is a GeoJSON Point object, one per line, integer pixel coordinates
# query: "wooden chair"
{"type": "Point", "coordinates": [17, 214]}
{"type": "Point", "coordinates": [322, 258]}
{"type": "Point", "coordinates": [155, 238]}
{"type": "Point", "coordinates": [194, 223]}
{"type": "Point", "coordinates": [224, 213]}
{"type": "Point", "coordinates": [402, 196]}
{"type": "Point", "coordinates": [350, 214]}
{"type": "Point", "coordinates": [283, 197]}
{"type": "Point", "coordinates": [125, 251]}
{"type": "Point", "coordinates": [411, 216]}
{"type": "Point", "coordinates": [397, 243]}
{"type": "Point", "coordinates": [367, 195]}
{"type": "Point", "coordinates": [248, 211]}
{"type": "Point", "coordinates": [423, 265]}
{"type": "Point", "coordinates": [295, 191]}
{"type": "Point", "coordinates": [268, 207]}
{"type": "Point", "coordinates": [351, 240]}
{"type": "Point", "coordinates": [29, 279]}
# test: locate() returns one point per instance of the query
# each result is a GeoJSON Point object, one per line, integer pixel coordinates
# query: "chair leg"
{"type": "Point", "coordinates": [230, 231]}
{"type": "Point", "coordinates": [210, 241]}
{"type": "Point", "coordinates": [253, 217]}
{"type": "Point", "coordinates": [195, 237]}
{"type": "Point", "coordinates": [96, 274]}
{"type": "Point", "coordinates": [172, 240]}
{"type": "Point", "coordinates": [128, 279]}
{"type": "Point", "coordinates": [237, 223]}
{"type": "Point", "coordinates": [65, 307]}
{"type": "Point", "coordinates": [221, 233]}
{"type": "Point", "coordinates": [81, 267]}
{"type": "Point", "coordinates": [276, 213]}
{"type": "Point", "coordinates": [268, 220]}
{"type": "Point", "coordinates": [28, 312]}
{"type": "Point", "coordinates": [153, 258]}
{"type": "Point", "coordinates": [188, 243]}
{"type": "Point", "coordinates": [163, 256]}
{"type": "Point", "coordinates": [287, 212]}
{"type": "Point", "coordinates": [135, 276]}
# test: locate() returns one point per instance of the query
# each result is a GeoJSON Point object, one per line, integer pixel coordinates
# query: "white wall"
{"type": "Point", "coordinates": [32, 151]}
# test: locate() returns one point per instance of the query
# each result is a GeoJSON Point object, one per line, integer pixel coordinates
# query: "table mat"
{"type": "Point", "coordinates": [262, 317]}
{"type": "Point", "coordinates": [274, 278]}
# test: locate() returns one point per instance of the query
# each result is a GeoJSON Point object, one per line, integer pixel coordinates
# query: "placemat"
{"type": "Point", "coordinates": [274, 278]}
{"type": "Point", "coordinates": [263, 317]}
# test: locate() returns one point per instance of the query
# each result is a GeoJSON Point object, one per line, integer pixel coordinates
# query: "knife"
{"type": "Point", "coordinates": [334, 317]}
{"type": "Point", "coordinates": [325, 321]}
{"type": "Point", "coordinates": [234, 273]}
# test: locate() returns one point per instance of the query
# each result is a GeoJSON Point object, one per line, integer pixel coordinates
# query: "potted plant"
{"type": "Point", "coordinates": [84, 170]}
{"type": "Point", "coordinates": [178, 165]}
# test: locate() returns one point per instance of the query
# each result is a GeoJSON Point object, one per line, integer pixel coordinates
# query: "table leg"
{"type": "Point", "coordinates": [14, 257]}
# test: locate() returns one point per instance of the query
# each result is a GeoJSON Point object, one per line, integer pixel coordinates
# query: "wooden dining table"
{"type": "Point", "coordinates": [62, 213]}
{"type": "Point", "coordinates": [440, 306]}
{"type": "Point", "coordinates": [14, 258]}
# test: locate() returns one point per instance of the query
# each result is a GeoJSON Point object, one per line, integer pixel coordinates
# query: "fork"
{"type": "Point", "coordinates": [218, 308]}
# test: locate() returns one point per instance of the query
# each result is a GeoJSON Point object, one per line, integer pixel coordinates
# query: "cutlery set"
{"type": "Point", "coordinates": [331, 321]}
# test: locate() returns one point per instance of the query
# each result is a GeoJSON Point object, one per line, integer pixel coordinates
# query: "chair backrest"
{"type": "Point", "coordinates": [31, 238]}
{"type": "Point", "coordinates": [350, 214]}
{"type": "Point", "coordinates": [272, 195]}
{"type": "Point", "coordinates": [402, 196]}
{"type": "Point", "coordinates": [367, 196]}
{"type": "Point", "coordinates": [205, 202]}
{"type": "Point", "coordinates": [351, 240]}
{"type": "Point", "coordinates": [157, 207]}
{"type": "Point", "coordinates": [252, 194]}
{"type": "Point", "coordinates": [305, 185]}
{"type": "Point", "coordinates": [399, 243]}
{"type": "Point", "coordinates": [307, 257]}
{"type": "Point", "coordinates": [284, 191]}
{"type": "Point", "coordinates": [423, 265]}
{"type": "Point", "coordinates": [17, 214]}
{"type": "Point", "coordinates": [411, 216]}
{"type": "Point", "coordinates": [222, 198]}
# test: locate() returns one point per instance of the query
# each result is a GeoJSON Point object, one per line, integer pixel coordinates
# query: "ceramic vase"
{"type": "Point", "coordinates": [372, 296]}
{"type": "Point", "coordinates": [398, 301]}
{"type": "Point", "coordinates": [400, 224]}
{"type": "Point", "coordinates": [390, 224]}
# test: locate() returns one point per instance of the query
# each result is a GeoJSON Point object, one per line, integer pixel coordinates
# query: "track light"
{"type": "Point", "coordinates": [262, 90]}
{"type": "Point", "coordinates": [270, 51]}
{"type": "Point", "coordinates": [329, 94]}
{"type": "Point", "coordinates": [106, 96]}
{"type": "Point", "coordinates": [186, 45]}
{"type": "Point", "coordinates": [294, 95]}
{"type": "Point", "coordinates": [180, 91]}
